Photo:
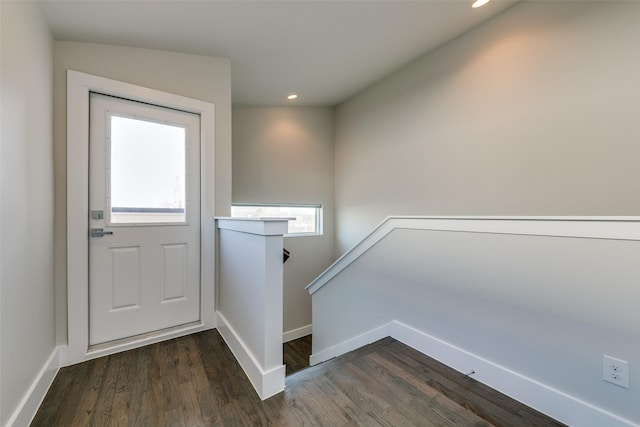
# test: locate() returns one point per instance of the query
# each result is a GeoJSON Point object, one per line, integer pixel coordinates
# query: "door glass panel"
{"type": "Point", "coordinates": [148, 172]}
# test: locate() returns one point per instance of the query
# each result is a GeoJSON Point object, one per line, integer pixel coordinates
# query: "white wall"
{"type": "Point", "coordinates": [27, 331]}
{"type": "Point", "coordinates": [250, 298]}
{"type": "Point", "coordinates": [199, 77]}
{"type": "Point", "coordinates": [533, 113]}
{"type": "Point", "coordinates": [285, 155]}
{"type": "Point", "coordinates": [530, 306]}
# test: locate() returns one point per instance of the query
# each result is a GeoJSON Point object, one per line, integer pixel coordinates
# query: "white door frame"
{"type": "Point", "coordinates": [79, 86]}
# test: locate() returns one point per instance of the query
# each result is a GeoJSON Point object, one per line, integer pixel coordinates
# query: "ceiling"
{"type": "Point", "coordinates": [323, 50]}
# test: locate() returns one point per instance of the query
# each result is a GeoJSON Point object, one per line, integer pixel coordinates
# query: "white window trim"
{"type": "Point", "coordinates": [319, 219]}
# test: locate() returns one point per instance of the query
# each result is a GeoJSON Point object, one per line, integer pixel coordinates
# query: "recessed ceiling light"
{"type": "Point", "coordinates": [292, 97]}
{"type": "Point", "coordinates": [479, 3]}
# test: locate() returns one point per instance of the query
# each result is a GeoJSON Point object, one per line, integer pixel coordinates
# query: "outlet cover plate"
{"type": "Point", "coordinates": [615, 371]}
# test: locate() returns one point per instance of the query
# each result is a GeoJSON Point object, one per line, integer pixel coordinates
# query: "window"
{"type": "Point", "coordinates": [308, 218]}
{"type": "Point", "coordinates": [148, 171]}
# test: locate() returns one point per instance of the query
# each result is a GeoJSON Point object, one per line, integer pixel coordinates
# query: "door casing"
{"type": "Point", "coordinates": [79, 86]}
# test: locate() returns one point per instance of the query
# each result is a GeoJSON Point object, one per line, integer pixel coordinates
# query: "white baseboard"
{"type": "Point", "coordinates": [294, 334]}
{"type": "Point", "coordinates": [28, 407]}
{"type": "Point", "coordinates": [351, 344]}
{"type": "Point", "coordinates": [266, 383]}
{"type": "Point", "coordinates": [556, 404]}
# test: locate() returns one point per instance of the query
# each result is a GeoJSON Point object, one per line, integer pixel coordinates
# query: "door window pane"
{"type": "Point", "coordinates": [148, 172]}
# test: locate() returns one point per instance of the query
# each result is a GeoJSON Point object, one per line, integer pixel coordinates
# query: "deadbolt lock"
{"type": "Point", "coordinates": [97, 214]}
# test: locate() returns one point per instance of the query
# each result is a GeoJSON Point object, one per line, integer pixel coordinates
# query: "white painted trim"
{"type": "Point", "coordinates": [28, 406]}
{"type": "Point", "coordinates": [351, 344]}
{"type": "Point", "coordinates": [266, 383]}
{"type": "Point", "coordinates": [616, 228]}
{"type": "Point", "coordinates": [259, 226]}
{"type": "Point", "coordinates": [79, 85]}
{"type": "Point", "coordinates": [124, 345]}
{"type": "Point", "coordinates": [556, 404]}
{"type": "Point", "coordinates": [294, 334]}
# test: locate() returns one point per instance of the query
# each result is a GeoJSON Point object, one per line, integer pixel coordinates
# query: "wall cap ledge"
{"type": "Point", "coordinates": [590, 227]}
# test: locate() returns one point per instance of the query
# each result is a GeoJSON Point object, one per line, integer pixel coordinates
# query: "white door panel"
{"type": "Point", "coordinates": [145, 180]}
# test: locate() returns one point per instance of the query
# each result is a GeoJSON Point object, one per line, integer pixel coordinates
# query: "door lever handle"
{"type": "Point", "coordinates": [99, 232]}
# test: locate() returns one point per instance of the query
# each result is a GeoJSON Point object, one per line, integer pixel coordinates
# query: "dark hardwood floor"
{"type": "Point", "coordinates": [296, 354]}
{"type": "Point", "coordinates": [195, 381]}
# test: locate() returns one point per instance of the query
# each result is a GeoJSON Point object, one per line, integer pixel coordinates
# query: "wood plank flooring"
{"type": "Point", "coordinates": [296, 354]}
{"type": "Point", "coordinates": [195, 381]}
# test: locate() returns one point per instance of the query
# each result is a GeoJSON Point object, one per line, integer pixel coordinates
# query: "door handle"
{"type": "Point", "coordinates": [99, 232]}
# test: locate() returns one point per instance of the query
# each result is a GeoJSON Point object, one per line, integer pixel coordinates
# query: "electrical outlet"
{"type": "Point", "coordinates": [615, 371]}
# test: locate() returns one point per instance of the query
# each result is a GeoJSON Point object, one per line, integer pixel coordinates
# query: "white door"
{"type": "Point", "coordinates": [144, 202]}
